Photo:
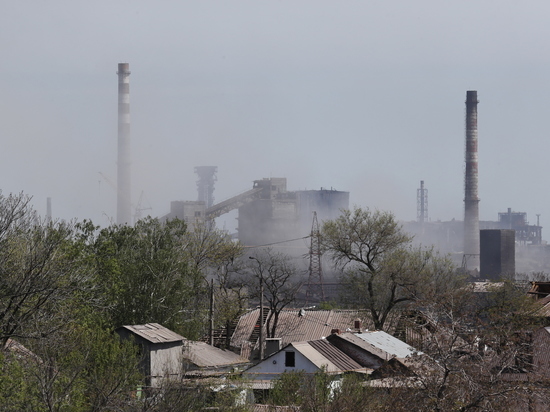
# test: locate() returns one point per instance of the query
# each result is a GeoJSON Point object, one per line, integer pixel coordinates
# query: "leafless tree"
{"type": "Point", "coordinates": [280, 282]}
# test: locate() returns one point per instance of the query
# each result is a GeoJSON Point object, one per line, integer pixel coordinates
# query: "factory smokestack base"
{"type": "Point", "coordinates": [471, 197]}
{"type": "Point", "coordinates": [124, 195]}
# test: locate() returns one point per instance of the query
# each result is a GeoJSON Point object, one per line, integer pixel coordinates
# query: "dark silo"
{"type": "Point", "coordinates": [498, 253]}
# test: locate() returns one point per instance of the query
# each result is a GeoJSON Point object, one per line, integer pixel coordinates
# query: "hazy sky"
{"type": "Point", "coordinates": [361, 96]}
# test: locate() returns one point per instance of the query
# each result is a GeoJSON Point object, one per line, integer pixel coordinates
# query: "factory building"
{"type": "Point", "coordinates": [268, 212]}
{"type": "Point", "coordinates": [277, 214]}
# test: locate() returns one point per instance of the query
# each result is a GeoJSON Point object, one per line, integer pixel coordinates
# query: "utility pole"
{"type": "Point", "coordinates": [211, 332]}
{"type": "Point", "coordinates": [261, 307]}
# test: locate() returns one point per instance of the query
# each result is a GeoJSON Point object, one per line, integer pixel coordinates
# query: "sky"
{"type": "Point", "coordinates": [359, 96]}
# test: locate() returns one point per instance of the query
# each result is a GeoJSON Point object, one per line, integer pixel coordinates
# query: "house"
{"type": "Point", "coordinates": [376, 354]}
{"type": "Point", "coordinates": [160, 348]}
{"type": "Point", "coordinates": [309, 356]}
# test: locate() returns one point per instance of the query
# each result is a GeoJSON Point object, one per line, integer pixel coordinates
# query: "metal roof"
{"type": "Point", "coordinates": [154, 333]}
{"type": "Point", "coordinates": [203, 355]}
{"type": "Point", "coordinates": [293, 327]}
{"type": "Point", "coordinates": [337, 357]}
{"type": "Point", "coordinates": [385, 342]}
{"type": "Point", "coordinates": [315, 357]}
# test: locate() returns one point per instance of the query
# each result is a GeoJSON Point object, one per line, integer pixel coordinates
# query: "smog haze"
{"type": "Point", "coordinates": [365, 97]}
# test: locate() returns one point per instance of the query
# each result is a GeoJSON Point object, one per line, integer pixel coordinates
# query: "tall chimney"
{"type": "Point", "coordinates": [422, 203]}
{"type": "Point", "coordinates": [48, 209]}
{"type": "Point", "coordinates": [471, 198]}
{"type": "Point", "coordinates": [124, 198]}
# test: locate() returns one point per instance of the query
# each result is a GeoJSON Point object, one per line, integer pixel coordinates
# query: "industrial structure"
{"type": "Point", "coordinates": [268, 212]}
{"type": "Point", "coordinates": [525, 234]}
{"type": "Point", "coordinates": [124, 194]}
{"type": "Point", "coordinates": [497, 253]}
{"type": "Point", "coordinates": [471, 197]}
{"type": "Point", "coordinates": [422, 203]}
{"type": "Point", "coordinates": [315, 288]}
{"type": "Point", "coordinates": [205, 184]}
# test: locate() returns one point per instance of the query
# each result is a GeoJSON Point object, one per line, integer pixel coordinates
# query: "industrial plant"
{"type": "Point", "coordinates": [269, 213]}
{"type": "Point", "coordinates": [485, 248]}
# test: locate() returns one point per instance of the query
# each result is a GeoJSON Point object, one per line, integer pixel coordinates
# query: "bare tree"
{"type": "Point", "coordinates": [208, 247]}
{"type": "Point", "coordinates": [280, 282]}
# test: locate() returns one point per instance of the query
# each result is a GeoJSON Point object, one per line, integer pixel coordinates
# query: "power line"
{"type": "Point", "coordinates": [278, 243]}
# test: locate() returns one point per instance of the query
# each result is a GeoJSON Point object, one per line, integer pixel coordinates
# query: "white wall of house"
{"type": "Point", "coordinates": [273, 366]}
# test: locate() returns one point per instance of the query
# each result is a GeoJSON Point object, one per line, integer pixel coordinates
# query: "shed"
{"type": "Point", "coordinates": [160, 348]}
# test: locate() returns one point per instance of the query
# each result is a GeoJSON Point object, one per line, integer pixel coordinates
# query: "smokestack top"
{"type": "Point", "coordinates": [123, 68]}
{"type": "Point", "coordinates": [471, 96]}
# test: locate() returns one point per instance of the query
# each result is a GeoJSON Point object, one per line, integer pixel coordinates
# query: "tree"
{"type": "Point", "coordinates": [207, 247]}
{"type": "Point", "coordinates": [38, 272]}
{"type": "Point", "coordinates": [382, 270]}
{"type": "Point", "coordinates": [479, 348]}
{"type": "Point", "coordinates": [279, 280]}
{"type": "Point", "coordinates": [231, 295]}
{"type": "Point", "coordinates": [146, 277]}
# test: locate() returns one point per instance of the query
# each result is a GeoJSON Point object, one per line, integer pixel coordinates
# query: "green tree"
{"type": "Point", "coordinates": [38, 273]}
{"type": "Point", "coordinates": [382, 270]}
{"type": "Point", "coordinates": [146, 277]}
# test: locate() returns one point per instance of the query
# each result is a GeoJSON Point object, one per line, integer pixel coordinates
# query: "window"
{"type": "Point", "coordinates": [290, 359]}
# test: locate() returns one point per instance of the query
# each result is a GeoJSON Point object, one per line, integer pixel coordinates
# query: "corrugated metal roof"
{"type": "Point", "coordinates": [205, 356]}
{"type": "Point", "coordinates": [154, 333]}
{"type": "Point", "coordinates": [315, 357]}
{"type": "Point", "coordinates": [339, 358]}
{"type": "Point", "coordinates": [386, 343]}
{"type": "Point", "coordinates": [313, 325]}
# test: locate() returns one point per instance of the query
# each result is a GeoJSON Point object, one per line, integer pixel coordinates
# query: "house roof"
{"type": "Point", "coordinates": [341, 360]}
{"type": "Point", "coordinates": [203, 355]}
{"type": "Point", "coordinates": [296, 325]}
{"type": "Point", "coordinates": [387, 343]}
{"type": "Point", "coordinates": [154, 333]}
{"type": "Point", "coordinates": [322, 354]}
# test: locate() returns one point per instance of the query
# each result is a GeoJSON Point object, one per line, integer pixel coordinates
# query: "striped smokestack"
{"type": "Point", "coordinates": [124, 198]}
{"type": "Point", "coordinates": [471, 198]}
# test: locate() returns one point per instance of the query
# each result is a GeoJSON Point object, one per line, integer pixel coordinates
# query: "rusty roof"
{"type": "Point", "coordinates": [297, 325]}
{"type": "Point", "coordinates": [154, 333]}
